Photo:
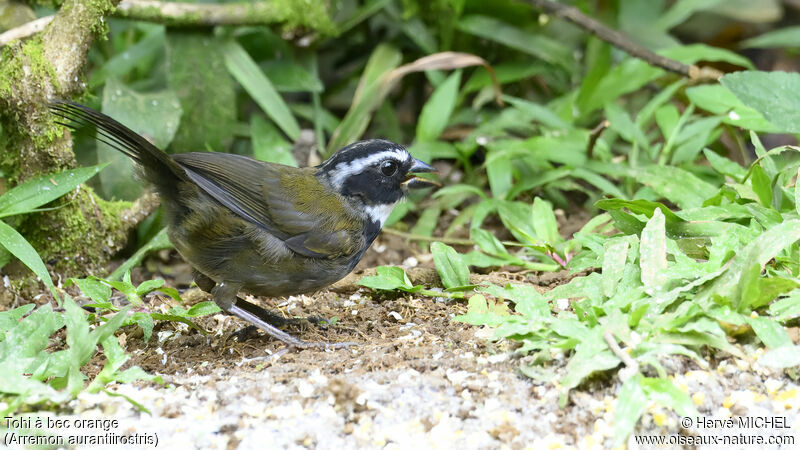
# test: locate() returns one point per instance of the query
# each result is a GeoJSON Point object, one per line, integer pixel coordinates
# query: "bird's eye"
{"type": "Point", "coordinates": [389, 168]}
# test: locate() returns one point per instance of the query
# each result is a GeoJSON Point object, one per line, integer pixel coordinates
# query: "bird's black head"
{"type": "Point", "coordinates": [375, 174]}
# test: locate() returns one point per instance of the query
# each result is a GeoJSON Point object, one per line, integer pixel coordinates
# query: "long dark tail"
{"type": "Point", "coordinates": [157, 167]}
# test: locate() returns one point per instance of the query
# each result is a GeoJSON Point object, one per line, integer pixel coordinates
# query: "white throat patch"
{"type": "Point", "coordinates": [379, 213]}
{"type": "Point", "coordinates": [344, 170]}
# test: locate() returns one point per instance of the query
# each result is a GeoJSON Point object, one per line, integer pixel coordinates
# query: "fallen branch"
{"type": "Point", "coordinates": [619, 40]}
{"type": "Point", "coordinates": [191, 15]}
{"type": "Point", "coordinates": [194, 14]}
{"type": "Point", "coordinates": [24, 30]}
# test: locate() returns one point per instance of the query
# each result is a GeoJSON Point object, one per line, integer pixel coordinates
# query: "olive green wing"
{"type": "Point", "coordinates": [287, 202]}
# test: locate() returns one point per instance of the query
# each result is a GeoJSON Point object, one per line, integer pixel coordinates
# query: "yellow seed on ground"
{"type": "Point", "coordinates": [698, 398]}
{"type": "Point", "coordinates": [728, 402]}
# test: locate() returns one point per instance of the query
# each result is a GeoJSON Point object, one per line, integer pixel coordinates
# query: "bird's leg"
{"type": "Point", "coordinates": [207, 285]}
{"type": "Point", "coordinates": [225, 297]}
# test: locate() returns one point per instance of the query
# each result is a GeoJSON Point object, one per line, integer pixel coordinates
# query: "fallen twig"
{"type": "Point", "coordinates": [619, 40]}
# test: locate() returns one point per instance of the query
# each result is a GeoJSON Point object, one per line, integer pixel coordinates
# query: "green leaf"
{"type": "Point", "coordinates": [640, 206]}
{"type": "Point", "coordinates": [781, 37]}
{"type": "Point", "coordinates": [691, 54]}
{"type": "Point", "coordinates": [369, 96]}
{"type": "Point", "coordinates": [758, 251]}
{"type": "Point", "coordinates": [653, 251]}
{"type": "Point", "coordinates": [268, 143]}
{"type": "Point", "coordinates": [203, 309]}
{"type": "Point", "coordinates": [10, 319]}
{"type": "Point", "coordinates": [19, 247]}
{"type": "Point", "coordinates": [719, 100]}
{"type": "Point", "coordinates": [537, 45]}
{"type": "Point", "coordinates": [484, 312]}
{"type": "Point", "coordinates": [544, 222]}
{"type": "Point", "coordinates": [158, 242]}
{"type": "Point", "coordinates": [437, 110]}
{"type": "Point", "coordinates": [388, 278]}
{"type": "Point", "coordinates": [452, 270]}
{"type": "Point", "coordinates": [92, 287]}
{"type": "Point", "coordinates": [289, 76]}
{"type": "Point", "coordinates": [770, 332]}
{"type": "Point", "coordinates": [773, 94]}
{"type": "Point", "coordinates": [38, 191]}
{"type": "Point", "coordinates": [631, 403]}
{"type": "Point", "coordinates": [724, 165]}
{"type": "Point", "coordinates": [786, 308]}
{"type": "Point", "coordinates": [762, 185]}
{"type": "Point", "coordinates": [141, 54]}
{"type": "Point", "coordinates": [615, 255]}
{"type": "Point", "coordinates": [676, 185]}
{"type": "Point", "coordinates": [196, 73]}
{"type": "Point", "coordinates": [664, 392]}
{"type": "Point", "coordinates": [536, 112]}
{"type": "Point", "coordinates": [155, 115]}
{"type": "Point", "coordinates": [630, 75]}
{"type": "Point", "coordinates": [242, 67]}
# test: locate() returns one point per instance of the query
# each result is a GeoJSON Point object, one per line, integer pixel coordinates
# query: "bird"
{"type": "Point", "coordinates": [264, 228]}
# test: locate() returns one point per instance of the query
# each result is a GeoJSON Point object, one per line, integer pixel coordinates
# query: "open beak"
{"type": "Point", "coordinates": [415, 182]}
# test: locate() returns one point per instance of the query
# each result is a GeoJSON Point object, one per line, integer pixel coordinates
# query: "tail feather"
{"type": "Point", "coordinates": [158, 167]}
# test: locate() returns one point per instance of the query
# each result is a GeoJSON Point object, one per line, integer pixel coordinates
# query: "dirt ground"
{"type": "Point", "coordinates": [415, 379]}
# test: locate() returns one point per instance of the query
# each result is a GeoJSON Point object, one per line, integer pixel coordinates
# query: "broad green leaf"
{"type": "Point", "coordinates": [437, 110]}
{"type": "Point", "coordinates": [786, 308]}
{"type": "Point", "coordinates": [158, 242]}
{"type": "Point", "coordinates": [38, 191]}
{"type": "Point", "coordinates": [773, 94]}
{"type": "Point", "coordinates": [781, 37]}
{"type": "Point", "coordinates": [536, 112]}
{"type": "Point", "coordinates": [719, 100]}
{"type": "Point", "coordinates": [242, 67]}
{"type": "Point", "coordinates": [645, 207]}
{"type": "Point", "coordinates": [758, 251]}
{"type": "Point", "coordinates": [724, 165]}
{"type": "Point", "coordinates": [691, 54]}
{"type": "Point", "coordinates": [621, 122]}
{"type": "Point", "coordinates": [653, 249]}
{"type": "Point", "coordinates": [615, 255]}
{"type": "Point", "coordinates": [664, 392]}
{"type": "Point", "coordinates": [676, 185]}
{"type": "Point", "coordinates": [268, 143]}
{"type": "Point", "coordinates": [19, 247]}
{"type": "Point", "coordinates": [762, 185]}
{"type": "Point", "coordinates": [388, 278]}
{"type": "Point", "coordinates": [631, 404]}
{"type": "Point", "coordinates": [92, 287]}
{"type": "Point", "coordinates": [770, 332]}
{"type": "Point", "coordinates": [630, 75]}
{"type": "Point", "coordinates": [142, 54]}
{"type": "Point", "coordinates": [499, 171]}
{"type": "Point", "coordinates": [505, 73]}
{"type": "Point", "coordinates": [452, 270]}
{"type": "Point", "coordinates": [481, 311]}
{"type": "Point", "coordinates": [544, 222]}
{"type": "Point", "coordinates": [203, 309]}
{"type": "Point", "coordinates": [196, 73]}
{"type": "Point", "coordinates": [10, 319]}
{"type": "Point", "coordinates": [368, 97]}
{"type": "Point", "coordinates": [155, 115]}
{"type": "Point", "coordinates": [289, 76]}
{"type": "Point", "coordinates": [537, 45]}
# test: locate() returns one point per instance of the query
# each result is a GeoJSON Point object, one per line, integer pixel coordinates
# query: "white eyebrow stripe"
{"type": "Point", "coordinates": [345, 169]}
